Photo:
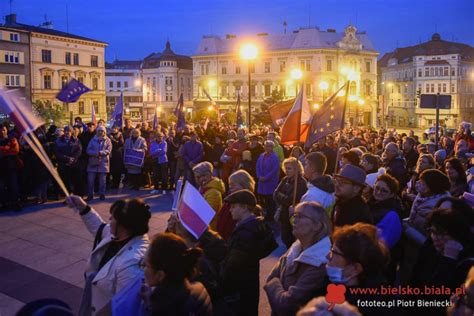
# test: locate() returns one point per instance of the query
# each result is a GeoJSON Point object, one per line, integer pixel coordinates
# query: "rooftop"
{"type": "Point", "coordinates": [153, 60]}
{"type": "Point", "coordinates": [10, 22]}
{"type": "Point", "coordinates": [435, 46]}
{"type": "Point", "coordinates": [124, 64]}
{"type": "Point", "coordinates": [304, 38]}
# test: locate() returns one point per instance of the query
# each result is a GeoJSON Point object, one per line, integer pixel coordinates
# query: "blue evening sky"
{"type": "Point", "coordinates": [135, 28]}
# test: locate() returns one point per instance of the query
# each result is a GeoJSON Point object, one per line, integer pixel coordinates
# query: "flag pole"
{"type": "Point", "coordinates": [342, 128]}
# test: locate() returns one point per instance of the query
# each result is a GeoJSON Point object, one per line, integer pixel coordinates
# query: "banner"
{"type": "Point", "coordinates": [133, 157]}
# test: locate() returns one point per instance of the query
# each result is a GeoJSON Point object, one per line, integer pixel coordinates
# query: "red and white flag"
{"type": "Point", "coordinates": [94, 119]}
{"type": "Point", "coordinates": [21, 114]}
{"type": "Point", "coordinates": [194, 212]}
{"type": "Point", "coordinates": [296, 127]}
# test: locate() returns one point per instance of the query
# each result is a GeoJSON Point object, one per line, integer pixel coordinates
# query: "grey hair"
{"type": "Point", "coordinates": [269, 142]}
{"type": "Point", "coordinates": [318, 214]}
{"type": "Point", "coordinates": [203, 167]}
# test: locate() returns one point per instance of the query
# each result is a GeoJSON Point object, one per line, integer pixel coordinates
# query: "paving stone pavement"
{"type": "Point", "coordinates": [44, 249]}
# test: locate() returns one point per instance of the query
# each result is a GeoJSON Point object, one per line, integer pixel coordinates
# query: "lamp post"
{"type": "Point", "coordinates": [323, 85]}
{"type": "Point", "coordinates": [249, 52]}
{"type": "Point", "coordinates": [296, 74]}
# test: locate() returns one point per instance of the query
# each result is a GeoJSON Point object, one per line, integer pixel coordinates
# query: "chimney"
{"type": "Point", "coordinates": [10, 19]}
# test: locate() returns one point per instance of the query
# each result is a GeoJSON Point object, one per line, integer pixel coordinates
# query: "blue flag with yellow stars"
{"type": "Point", "coordinates": [330, 117]}
{"type": "Point", "coordinates": [71, 92]}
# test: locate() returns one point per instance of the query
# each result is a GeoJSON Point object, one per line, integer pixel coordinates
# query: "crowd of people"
{"type": "Point", "coordinates": [361, 207]}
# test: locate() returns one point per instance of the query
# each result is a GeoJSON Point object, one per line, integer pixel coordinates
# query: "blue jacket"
{"type": "Point", "coordinates": [67, 151]}
{"type": "Point", "coordinates": [193, 152]}
{"type": "Point", "coordinates": [158, 151]}
{"type": "Point", "coordinates": [390, 229]}
{"type": "Point", "coordinates": [269, 169]}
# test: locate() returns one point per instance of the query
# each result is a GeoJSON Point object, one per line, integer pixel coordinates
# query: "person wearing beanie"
{"type": "Point", "coordinates": [98, 150]}
{"type": "Point", "coordinates": [440, 156]}
{"type": "Point", "coordinates": [432, 186]}
{"type": "Point", "coordinates": [251, 241]}
{"type": "Point", "coordinates": [118, 248]}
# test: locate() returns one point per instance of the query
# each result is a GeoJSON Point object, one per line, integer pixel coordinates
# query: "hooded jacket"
{"type": "Point", "coordinates": [212, 193]}
{"type": "Point", "coordinates": [321, 190]}
{"type": "Point", "coordinates": [297, 276]}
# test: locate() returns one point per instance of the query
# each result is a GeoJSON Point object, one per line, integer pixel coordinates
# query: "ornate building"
{"type": "Point", "coordinates": [125, 77]}
{"type": "Point", "coordinates": [165, 76]}
{"type": "Point", "coordinates": [57, 56]}
{"type": "Point", "coordinates": [326, 58]}
{"type": "Point", "coordinates": [435, 66]}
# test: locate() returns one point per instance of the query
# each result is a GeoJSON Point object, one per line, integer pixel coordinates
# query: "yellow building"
{"type": "Point", "coordinates": [55, 58]}
{"type": "Point", "coordinates": [326, 58]}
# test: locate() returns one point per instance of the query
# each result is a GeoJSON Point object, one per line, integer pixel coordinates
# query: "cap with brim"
{"type": "Point", "coordinates": [354, 174]}
{"type": "Point", "coordinates": [245, 197]}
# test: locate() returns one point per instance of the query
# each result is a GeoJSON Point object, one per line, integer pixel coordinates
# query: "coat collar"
{"type": "Point", "coordinates": [314, 255]}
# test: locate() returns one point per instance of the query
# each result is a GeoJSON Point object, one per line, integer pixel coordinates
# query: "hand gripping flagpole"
{"type": "Point", "coordinates": [11, 103]}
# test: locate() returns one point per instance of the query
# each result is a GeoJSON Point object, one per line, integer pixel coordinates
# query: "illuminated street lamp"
{"type": "Point", "coordinates": [210, 108]}
{"type": "Point", "coordinates": [249, 52]}
{"type": "Point", "coordinates": [323, 85]}
{"type": "Point", "coordinates": [296, 74]}
{"type": "Point", "coordinates": [316, 106]}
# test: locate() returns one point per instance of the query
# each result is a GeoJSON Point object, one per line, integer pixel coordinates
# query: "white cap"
{"type": "Point", "coordinates": [371, 178]}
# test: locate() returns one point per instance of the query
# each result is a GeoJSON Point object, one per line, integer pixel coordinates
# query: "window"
{"type": "Point", "coordinates": [47, 82]}
{"type": "Point", "coordinates": [427, 88]}
{"type": "Point", "coordinates": [427, 72]}
{"type": "Point", "coordinates": [76, 59]}
{"type": "Point", "coordinates": [368, 88]}
{"type": "Point", "coordinates": [81, 107]}
{"type": "Point", "coordinates": [305, 65]}
{"type": "Point", "coordinates": [94, 61]}
{"type": "Point", "coordinates": [329, 65]}
{"type": "Point", "coordinates": [436, 71]}
{"type": "Point", "coordinates": [267, 68]}
{"type": "Point", "coordinates": [309, 90]}
{"type": "Point", "coordinates": [432, 88]}
{"type": "Point", "coordinates": [68, 58]}
{"type": "Point", "coordinates": [95, 104]}
{"type": "Point", "coordinates": [444, 87]}
{"type": "Point", "coordinates": [367, 66]}
{"type": "Point", "coordinates": [125, 84]}
{"type": "Point", "coordinates": [439, 87]}
{"type": "Point", "coordinates": [204, 69]}
{"type": "Point", "coordinates": [224, 70]}
{"type": "Point", "coordinates": [169, 97]}
{"type": "Point", "coordinates": [420, 72]}
{"type": "Point", "coordinates": [352, 88]}
{"type": "Point", "coordinates": [14, 37]}
{"type": "Point", "coordinates": [282, 66]}
{"type": "Point", "coordinates": [453, 88]}
{"type": "Point", "coordinates": [64, 80]}
{"type": "Point", "coordinates": [119, 84]}
{"type": "Point", "coordinates": [111, 84]}
{"type": "Point", "coordinates": [80, 79]}
{"type": "Point", "coordinates": [12, 57]}
{"type": "Point", "coordinates": [12, 80]}
{"type": "Point", "coordinates": [237, 70]}
{"type": "Point", "coordinates": [95, 84]}
{"type": "Point", "coordinates": [46, 56]}
{"type": "Point", "coordinates": [169, 80]}
{"type": "Point", "coordinates": [445, 71]}
{"type": "Point", "coordinates": [453, 71]}
{"type": "Point", "coordinates": [267, 90]}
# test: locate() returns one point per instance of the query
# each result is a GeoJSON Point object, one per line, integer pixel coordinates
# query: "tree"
{"type": "Point", "coordinates": [263, 117]}
{"type": "Point", "coordinates": [49, 112]}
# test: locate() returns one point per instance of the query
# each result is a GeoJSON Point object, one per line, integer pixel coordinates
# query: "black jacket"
{"type": "Point", "coordinates": [397, 168]}
{"type": "Point", "coordinates": [351, 212]}
{"type": "Point", "coordinates": [185, 300]}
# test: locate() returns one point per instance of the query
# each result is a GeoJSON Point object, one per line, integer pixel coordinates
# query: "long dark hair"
{"type": "Point", "coordinates": [459, 167]}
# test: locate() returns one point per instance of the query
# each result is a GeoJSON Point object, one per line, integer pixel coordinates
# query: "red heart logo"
{"type": "Point", "coordinates": [335, 294]}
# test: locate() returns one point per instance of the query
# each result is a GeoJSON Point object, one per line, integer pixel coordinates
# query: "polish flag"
{"type": "Point", "coordinates": [194, 212]}
{"type": "Point", "coordinates": [15, 105]}
{"type": "Point", "coordinates": [297, 123]}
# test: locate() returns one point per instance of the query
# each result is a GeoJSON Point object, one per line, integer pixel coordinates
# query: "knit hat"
{"type": "Point", "coordinates": [441, 153]}
{"type": "Point", "coordinates": [100, 128]}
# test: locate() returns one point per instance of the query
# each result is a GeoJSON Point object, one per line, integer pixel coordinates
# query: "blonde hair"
{"type": "Point", "coordinates": [295, 162]}
{"type": "Point", "coordinates": [244, 179]}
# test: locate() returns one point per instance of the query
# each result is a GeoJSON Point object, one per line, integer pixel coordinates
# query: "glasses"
{"type": "Point", "coordinates": [298, 216]}
{"type": "Point", "coordinates": [381, 190]}
{"type": "Point", "coordinates": [342, 181]}
{"type": "Point", "coordinates": [332, 252]}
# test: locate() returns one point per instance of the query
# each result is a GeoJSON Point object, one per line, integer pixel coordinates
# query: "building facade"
{"type": "Point", "coordinates": [326, 59]}
{"type": "Point", "coordinates": [165, 76]}
{"type": "Point", "coordinates": [15, 60]}
{"type": "Point", "coordinates": [125, 77]}
{"type": "Point", "coordinates": [432, 67]}
{"type": "Point", "coordinates": [55, 58]}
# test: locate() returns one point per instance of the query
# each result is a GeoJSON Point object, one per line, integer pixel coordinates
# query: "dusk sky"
{"type": "Point", "coordinates": [135, 28]}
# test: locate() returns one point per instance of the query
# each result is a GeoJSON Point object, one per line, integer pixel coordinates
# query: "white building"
{"type": "Point", "coordinates": [165, 76]}
{"type": "Point", "coordinates": [432, 67]}
{"type": "Point", "coordinates": [323, 56]}
{"type": "Point", "coordinates": [55, 58]}
{"type": "Point", "coordinates": [124, 76]}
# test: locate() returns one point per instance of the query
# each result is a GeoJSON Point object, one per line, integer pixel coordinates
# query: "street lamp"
{"type": "Point", "coordinates": [316, 106]}
{"type": "Point", "coordinates": [323, 85]}
{"type": "Point", "coordinates": [296, 74]}
{"type": "Point", "coordinates": [249, 52]}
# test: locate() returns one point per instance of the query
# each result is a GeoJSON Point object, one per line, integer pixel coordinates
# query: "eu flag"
{"type": "Point", "coordinates": [179, 112]}
{"type": "Point", "coordinates": [330, 117]}
{"type": "Point", "coordinates": [117, 116]}
{"type": "Point", "coordinates": [71, 92]}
